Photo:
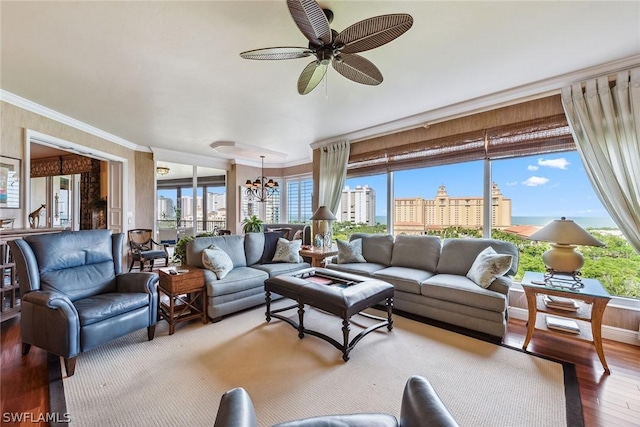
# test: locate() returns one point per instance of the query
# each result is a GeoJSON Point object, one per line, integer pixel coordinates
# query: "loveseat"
{"type": "Point", "coordinates": [243, 286]}
{"type": "Point", "coordinates": [429, 276]}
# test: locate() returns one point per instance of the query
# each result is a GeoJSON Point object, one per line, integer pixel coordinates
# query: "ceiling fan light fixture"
{"type": "Point", "coordinates": [337, 48]}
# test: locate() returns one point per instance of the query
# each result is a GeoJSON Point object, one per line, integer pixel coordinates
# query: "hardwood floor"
{"type": "Point", "coordinates": [607, 400]}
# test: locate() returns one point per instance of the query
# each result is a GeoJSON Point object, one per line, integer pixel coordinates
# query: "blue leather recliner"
{"type": "Point", "coordinates": [75, 296]}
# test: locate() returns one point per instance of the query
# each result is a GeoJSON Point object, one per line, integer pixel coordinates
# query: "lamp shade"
{"type": "Point", "coordinates": [565, 232]}
{"type": "Point", "coordinates": [323, 213]}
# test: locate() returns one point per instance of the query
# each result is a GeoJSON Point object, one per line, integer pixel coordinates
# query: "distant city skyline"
{"type": "Point", "coordinates": [551, 185]}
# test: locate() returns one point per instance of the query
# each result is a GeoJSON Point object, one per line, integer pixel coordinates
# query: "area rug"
{"type": "Point", "coordinates": [177, 380]}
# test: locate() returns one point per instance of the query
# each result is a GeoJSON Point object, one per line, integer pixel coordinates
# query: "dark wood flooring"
{"type": "Point", "coordinates": [607, 400]}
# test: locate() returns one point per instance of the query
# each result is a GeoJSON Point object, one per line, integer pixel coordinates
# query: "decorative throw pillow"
{"type": "Point", "coordinates": [286, 231]}
{"type": "Point", "coordinates": [270, 242]}
{"type": "Point", "coordinates": [217, 260]}
{"type": "Point", "coordinates": [349, 252]}
{"type": "Point", "coordinates": [287, 251]}
{"type": "Point", "coordinates": [297, 235]}
{"type": "Point", "coordinates": [488, 266]}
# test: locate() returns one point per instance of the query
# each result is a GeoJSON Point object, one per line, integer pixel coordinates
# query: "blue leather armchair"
{"type": "Point", "coordinates": [421, 406]}
{"type": "Point", "coordinates": [75, 296]}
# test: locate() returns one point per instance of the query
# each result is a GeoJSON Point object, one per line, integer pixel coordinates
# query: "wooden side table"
{"type": "Point", "coordinates": [318, 255]}
{"type": "Point", "coordinates": [592, 300]}
{"type": "Point", "coordinates": [187, 297]}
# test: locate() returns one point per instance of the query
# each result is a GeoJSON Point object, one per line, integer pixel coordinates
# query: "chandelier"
{"type": "Point", "coordinates": [162, 170]}
{"type": "Point", "coordinates": [262, 188]}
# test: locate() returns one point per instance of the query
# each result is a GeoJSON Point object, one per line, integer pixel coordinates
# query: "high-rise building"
{"type": "Point", "coordinates": [166, 210]}
{"type": "Point", "coordinates": [417, 215]}
{"type": "Point", "coordinates": [216, 201]}
{"type": "Point", "coordinates": [358, 205]}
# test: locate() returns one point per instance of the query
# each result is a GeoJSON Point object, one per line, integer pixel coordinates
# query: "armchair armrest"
{"type": "Point", "coordinates": [137, 282]}
{"type": "Point", "coordinates": [421, 406]}
{"type": "Point", "coordinates": [50, 321]}
{"type": "Point", "coordinates": [163, 245]}
{"type": "Point", "coordinates": [236, 410]}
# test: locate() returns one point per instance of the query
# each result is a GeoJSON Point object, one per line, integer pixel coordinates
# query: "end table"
{"type": "Point", "coordinates": [187, 297]}
{"type": "Point", "coordinates": [318, 255]}
{"type": "Point", "coordinates": [593, 300]}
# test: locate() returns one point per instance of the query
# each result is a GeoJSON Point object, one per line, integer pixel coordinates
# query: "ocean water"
{"type": "Point", "coordinates": [584, 222]}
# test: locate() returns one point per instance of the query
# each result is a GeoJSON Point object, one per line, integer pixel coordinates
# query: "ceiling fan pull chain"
{"type": "Point", "coordinates": [326, 86]}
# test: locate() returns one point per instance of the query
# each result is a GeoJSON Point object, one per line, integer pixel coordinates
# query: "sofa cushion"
{"type": "Point", "coordinates": [253, 247]}
{"type": "Point", "coordinates": [238, 279]}
{"type": "Point", "coordinates": [420, 252]}
{"type": "Point", "coordinates": [376, 248]}
{"type": "Point", "coordinates": [232, 245]}
{"type": "Point", "coordinates": [281, 267]}
{"type": "Point", "coordinates": [461, 290]}
{"type": "Point", "coordinates": [488, 266]}
{"type": "Point", "coordinates": [361, 268]}
{"type": "Point", "coordinates": [403, 279]}
{"type": "Point", "coordinates": [287, 251]}
{"type": "Point", "coordinates": [270, 245]}
{"type": "Point", "coordinates": [287, 234]}
{"type": "Point", "coordinates": [458, 254]}
{"type": "Point", "coordinates": [217, 260]}
{"type": "Point", "coordinates": [350, 252]}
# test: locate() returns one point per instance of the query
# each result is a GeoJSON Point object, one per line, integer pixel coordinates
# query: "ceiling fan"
{"type": "Point", "coordinates": [339, 49]}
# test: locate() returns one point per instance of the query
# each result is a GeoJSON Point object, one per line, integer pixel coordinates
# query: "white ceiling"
{"type": "Point", "coordinates": [168, 75]}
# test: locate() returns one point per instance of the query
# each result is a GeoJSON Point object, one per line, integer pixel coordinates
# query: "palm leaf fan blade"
{"type": "Point", "coordinates": [358, 69]}
{"type": "Point", "coordinates": [276, 53]}
{"type": "Point", "coordinates": [311, 21]}
{"type": "Point", "coordinates": [310, 77]}
{"type": "Point", "coordinates": [373, 32]}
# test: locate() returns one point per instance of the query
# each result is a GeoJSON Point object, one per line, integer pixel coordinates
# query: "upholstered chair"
{"type": "Point", "coordinates": [420, 406]}
{"type": "Point", "coordinates": [75, 296]}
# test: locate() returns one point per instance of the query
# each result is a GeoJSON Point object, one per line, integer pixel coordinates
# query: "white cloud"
{"type": "Point", "coordinates": [560, 163]}
{"type": "Point", "coordinates": [532, 168]}
{"type": "Point", "coordinates": [535, 181]}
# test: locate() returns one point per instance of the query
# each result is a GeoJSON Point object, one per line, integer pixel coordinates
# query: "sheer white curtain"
{"type": "Point", "coordinates": [333, 173]}
{"type": "Point", "coordinates": [605, 121]}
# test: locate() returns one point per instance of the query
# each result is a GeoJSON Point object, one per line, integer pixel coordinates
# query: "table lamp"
{"type": "Point", "coordinates": [323, 217]}
{"type": "Point", "coordinates": [562, 258]}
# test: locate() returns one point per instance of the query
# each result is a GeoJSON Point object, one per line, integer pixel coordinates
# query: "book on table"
{"type": "Point", "coordinates": [560, 303]}
{"type": "Point", "coordinates": [565, 325]}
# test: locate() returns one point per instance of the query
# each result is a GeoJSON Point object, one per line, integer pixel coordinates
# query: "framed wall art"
{"type": "Point", "coordinates": [9, 182]}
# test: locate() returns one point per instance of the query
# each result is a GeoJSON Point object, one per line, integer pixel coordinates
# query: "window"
{"type": "Point", "coordinates": [268, 211]}
{"type": "Point", "coordinates": [181, 211]}
{"type": "Point", "coordinates": [299, 198]}
{"type": "Point", "coordinates": [545, 187]}
{"type": "Point", "coordinates": [363, 207]}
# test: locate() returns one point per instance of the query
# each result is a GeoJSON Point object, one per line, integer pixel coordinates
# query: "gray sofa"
{"type": "Point", "coordinates": [243, 286]}
{"type": "Point", "coordinates": [429, 276]}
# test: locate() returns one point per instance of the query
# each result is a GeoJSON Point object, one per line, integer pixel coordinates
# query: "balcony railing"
{"type": "Point", "coordinates": [184, 224]}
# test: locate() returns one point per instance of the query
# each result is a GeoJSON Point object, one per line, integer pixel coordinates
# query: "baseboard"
{"type": "Point", "coordinates": [609, 332]}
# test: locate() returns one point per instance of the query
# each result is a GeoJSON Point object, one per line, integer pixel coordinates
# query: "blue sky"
{"type": "Point", "coordinates": [552, 185]}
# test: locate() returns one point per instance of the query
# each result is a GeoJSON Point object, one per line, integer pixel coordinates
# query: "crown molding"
{"type": "Point", "coordinates": [66, 120]}
{"type": "Point", "coordinates": [171, 156]}
{"type": "Point", "coordinates": [519, 94]}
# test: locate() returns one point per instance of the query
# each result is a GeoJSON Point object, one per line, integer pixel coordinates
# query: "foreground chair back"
{"type": "Point", "coordinates": [421, 406]}
{"type": "Point", "coordinates": [75, 296]}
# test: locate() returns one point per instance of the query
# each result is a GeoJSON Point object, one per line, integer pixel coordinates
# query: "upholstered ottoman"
{"type": "Point", "coordinates": [340, 294]}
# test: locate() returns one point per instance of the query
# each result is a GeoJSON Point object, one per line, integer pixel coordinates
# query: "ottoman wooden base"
{"type": "Point", "coordinates": [340, 294]}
